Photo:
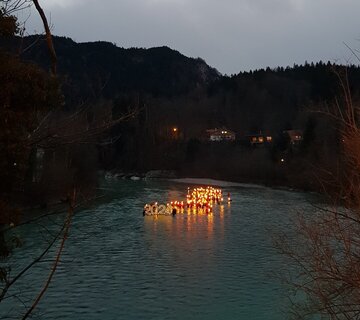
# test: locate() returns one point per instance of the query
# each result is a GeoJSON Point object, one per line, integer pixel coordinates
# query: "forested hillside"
{"type": "Point", "coordinates": [101, 68]}
{"type": "Point", "coordinates": [171, 91]}
{"type": "Point", "coordinates": [249, 101]}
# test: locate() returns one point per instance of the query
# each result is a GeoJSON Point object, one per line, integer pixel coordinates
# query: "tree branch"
{"type": "Point", "coordinates": [48, 36]}
{"type": "Point", "coordinates": [57, 259]}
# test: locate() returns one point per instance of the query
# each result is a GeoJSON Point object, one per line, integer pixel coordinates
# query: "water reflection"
{"type": "Point", "coordinates": [188, 230]}
{"type": "Point", "coordinates": [191, 266]}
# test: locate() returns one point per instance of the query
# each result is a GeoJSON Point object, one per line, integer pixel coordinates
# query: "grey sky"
{"type": "Point", "coordinates": [231, 35]}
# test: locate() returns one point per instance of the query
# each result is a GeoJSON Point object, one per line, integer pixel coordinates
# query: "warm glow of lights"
{"type": "Point", "coordinates": [198, 200]}
{"type": "Point", "coordinates": [175, 129]}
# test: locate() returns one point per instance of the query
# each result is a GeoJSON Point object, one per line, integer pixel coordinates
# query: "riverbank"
{"type": "Point", "coordinates": [212, 179]}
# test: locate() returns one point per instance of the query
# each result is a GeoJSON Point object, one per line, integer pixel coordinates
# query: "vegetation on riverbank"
{"type": "Point", "coordinates": [325, 251]}
{"type": "Point", "coordinates": [43, 147]}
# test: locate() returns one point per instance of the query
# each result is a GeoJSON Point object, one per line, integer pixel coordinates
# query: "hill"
{"type": "Point", "coordinates": [100, 68]}
{"type": "Point", "coordinates": [175, 91]}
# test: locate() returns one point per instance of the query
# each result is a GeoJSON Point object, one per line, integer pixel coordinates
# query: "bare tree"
{"type": "Point", "coordinates": [326, 251]}
{"type": "Point", "coordinates": [9, 7]}
{"type": "Point", "coordinates": [55, 130]}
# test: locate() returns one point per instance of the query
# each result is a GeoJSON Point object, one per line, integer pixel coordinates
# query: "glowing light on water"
{"type": "Point", "coordinates": [198, 201]}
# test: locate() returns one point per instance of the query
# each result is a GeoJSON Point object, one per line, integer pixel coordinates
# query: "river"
{"type": "Point", "coordinates": [118, 264]}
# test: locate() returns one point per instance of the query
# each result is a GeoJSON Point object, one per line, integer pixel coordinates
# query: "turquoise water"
{"type": "Point", "coordinates": [118, 264]}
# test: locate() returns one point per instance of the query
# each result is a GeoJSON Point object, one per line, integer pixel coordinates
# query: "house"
{"type": "Point", "coordinates": [220, 135]}
{"type": "Point", "coordinates": [259, 139]}
{"type": "Point", "coordinates": [295, 136]}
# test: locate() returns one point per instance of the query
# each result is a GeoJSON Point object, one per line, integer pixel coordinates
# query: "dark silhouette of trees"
{"type": "Point", "coordinates": [48, 151]}
{"type": "Point", "coordinates": [325, 251]}
{"type": "Point", "coordinates": [28, 94]}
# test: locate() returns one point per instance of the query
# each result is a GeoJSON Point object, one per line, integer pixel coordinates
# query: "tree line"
{"type": "Point", "coordinates": [172, 90]}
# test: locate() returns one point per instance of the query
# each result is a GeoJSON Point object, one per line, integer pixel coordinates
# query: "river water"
{"type": "Point", "coordinates": [118, 264]}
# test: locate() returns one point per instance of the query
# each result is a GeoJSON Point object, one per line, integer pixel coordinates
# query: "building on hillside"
{"type": "Point", "coordinates": [220, 135]}
{"type": "Point", "coordinates": [257, 139]}
{"type": "Point", "coordinates": [295, 136]}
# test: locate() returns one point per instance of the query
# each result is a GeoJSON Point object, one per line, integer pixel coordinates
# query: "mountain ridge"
{"type": "Point", "coordinates": [158, 71]}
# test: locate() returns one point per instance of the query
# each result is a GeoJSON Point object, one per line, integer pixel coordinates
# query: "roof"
{"type": "Point", "coordinates": [294, 134]}
{"type": "Point", "coordinates": [220, 131]}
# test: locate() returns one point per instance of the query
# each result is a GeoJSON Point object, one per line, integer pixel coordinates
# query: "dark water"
{"type": "Point", "coordinates": [119, 265]}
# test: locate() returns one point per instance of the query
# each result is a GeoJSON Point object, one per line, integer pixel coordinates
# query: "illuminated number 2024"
{"type": "Point", "coordinates": [158, 209]}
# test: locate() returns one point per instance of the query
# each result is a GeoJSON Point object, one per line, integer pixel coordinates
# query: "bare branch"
{"type": "Point", "coordinates": [57, 259]}
{"type": "Point", "coordinates": [48, 35]}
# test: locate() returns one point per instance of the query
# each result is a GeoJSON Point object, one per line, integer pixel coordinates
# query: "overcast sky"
{"type": "Point", "coordinates": [231, 35]}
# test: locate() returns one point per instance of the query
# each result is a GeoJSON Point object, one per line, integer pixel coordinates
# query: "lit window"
{"type": "Point", "coordinates": [261, 139]}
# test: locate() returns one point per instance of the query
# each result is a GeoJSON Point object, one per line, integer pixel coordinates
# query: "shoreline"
{"type": "Point", "coordinates": [215, 182]}
{"type": "Point", "coordinates": [209, 180]}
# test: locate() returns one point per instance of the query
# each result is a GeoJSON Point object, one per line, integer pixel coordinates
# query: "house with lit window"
{"type": "Point", "coordinates": [295, 136]}
{"type": "Point", "coordinates": [258, 139]}
{"type": "Point", "coordinates": [220, 135]}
